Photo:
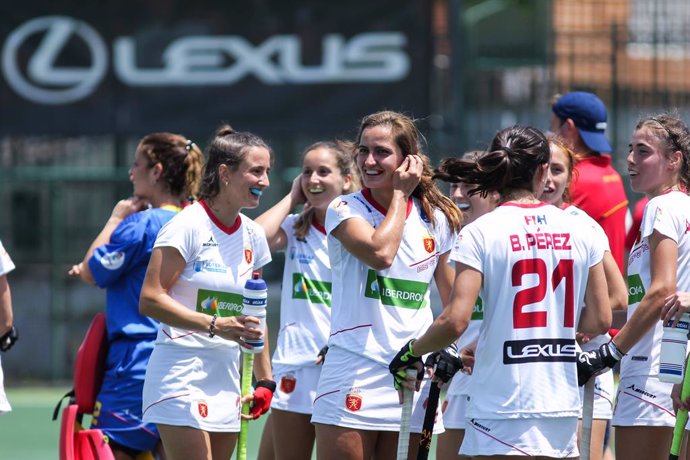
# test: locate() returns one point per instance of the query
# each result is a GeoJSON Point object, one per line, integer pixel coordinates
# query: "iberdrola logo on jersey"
{"type": "Point", "coordinates": [217, 302]}
{"type": "Point", "coordinates": [635, 289]}
{"type": "Point", "coordinates": [396, 292]}
{"type": "Point", "coordinates": [478, 311]}
{"type": "Point", "coordinates": [313, 290]}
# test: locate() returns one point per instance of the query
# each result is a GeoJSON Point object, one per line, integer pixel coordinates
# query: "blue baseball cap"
{"type": "Point", "coordinates": [589, 115]}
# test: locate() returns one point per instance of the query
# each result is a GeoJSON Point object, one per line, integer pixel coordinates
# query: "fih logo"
{"type": "Point", "coordinates": [194, 60]}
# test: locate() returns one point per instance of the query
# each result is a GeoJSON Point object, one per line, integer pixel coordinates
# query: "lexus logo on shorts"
{"type": "Point", "coordinates": [45, 80]}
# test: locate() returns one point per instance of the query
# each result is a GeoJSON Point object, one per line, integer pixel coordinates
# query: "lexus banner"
{"type": "Point", "coordinates": [272, 66]}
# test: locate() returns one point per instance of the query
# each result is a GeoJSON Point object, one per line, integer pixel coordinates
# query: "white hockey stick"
{"type": "Point", "coordinates": [405, 420]}
{"type": "Point", "coordinates": [587, 419]}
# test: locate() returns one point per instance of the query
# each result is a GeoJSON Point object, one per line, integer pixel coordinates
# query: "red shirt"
{"type": "Point", "coordinates": [637, 213]}
{"type": "Point", "coordinates": [597, 189]}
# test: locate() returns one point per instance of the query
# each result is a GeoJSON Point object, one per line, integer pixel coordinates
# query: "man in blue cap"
{"type": "Point", "coordinates": [596, 187]}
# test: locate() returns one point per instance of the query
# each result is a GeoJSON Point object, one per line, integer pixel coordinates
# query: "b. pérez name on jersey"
{"type": "Point", "coordinates": [540, 240]}
{"type": "Point", "coordinates": [539, 350]}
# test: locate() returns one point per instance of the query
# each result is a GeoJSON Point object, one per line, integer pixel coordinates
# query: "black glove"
{"type": "Point", "coordinates": [446, 363]}
{"type": "Point", "coordinates": [595, 362]}
{"type": "Point", "coordinates": [321, 357]}
{"type": "Point", "coordinates": [7, 340]}
{"type": "Point", "coordinates": [403, 360]}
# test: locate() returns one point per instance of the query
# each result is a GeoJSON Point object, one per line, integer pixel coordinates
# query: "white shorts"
{"type": "Point", "coordinates": [643, 401]}
{"type": "Point", "coordinates": [356, 392]}
{"type": "Point", "coordinates": [549, 437]}
{"type": "Point", "coordinates": [296, 389]}
{"type": "Point", "coordinates": [4, 403]}
{"type": "Point", "coordinates": [603, 396]}
{"type": "Point", "coordinates": [193, 387]}
{"type": "Point", "coordinates": [454, 410]}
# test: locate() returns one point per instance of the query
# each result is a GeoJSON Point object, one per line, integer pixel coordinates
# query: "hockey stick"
{"type": "Point", "coordinates": [429, 420]}
{"type": "Point", "coordinates": [246, 388]}
{"type": "Point", "coordinates": [405, 419]}
{"type": "Point", "coordinates": [587, 419]}
{"type": "Point", "coordinates": [681, 417]}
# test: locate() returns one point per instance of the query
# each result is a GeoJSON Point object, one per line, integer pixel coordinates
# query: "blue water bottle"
{"type": "Point", "coordinates": [255, 298]}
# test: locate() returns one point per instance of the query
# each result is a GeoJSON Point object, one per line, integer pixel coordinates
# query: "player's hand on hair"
{"type": "Point", "coordinates": [401, 362]}
{"type": "Point", "coordinates": [409, 173]}
{"type": "Point", "coordinates": [127, 207]}
{"type": "Point", "coordinates": [445, 363]}
{"type": "Point", "coordinates": [260, 400]}
{"type": "Point", "coordinates": [8, 339]}
{"type": "Point", "coordinates": [321, 357]}
{"type": "Point", "coordinates": [595, 362]}
{"type": "Point", "coordinates": [296, 194]}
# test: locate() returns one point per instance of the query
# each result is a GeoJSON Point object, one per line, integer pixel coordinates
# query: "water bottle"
{"type": "Point", "coordinates": [254, 301]}
{"type": "Point", "coordinates": [674, 344]}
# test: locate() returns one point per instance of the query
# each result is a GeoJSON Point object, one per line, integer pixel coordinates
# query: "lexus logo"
{"type": "Point", "coordinates": [190, 61]}
{"type": "Point", "coordinates": [45, 82]}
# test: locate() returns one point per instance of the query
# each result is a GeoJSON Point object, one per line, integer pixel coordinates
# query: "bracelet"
{"type": "Point", "coordinates": [615, 351]}
{"type": "Point", "coordinates": [212, 326]}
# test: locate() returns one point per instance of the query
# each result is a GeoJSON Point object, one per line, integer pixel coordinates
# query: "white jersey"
{"type": "Point", "coordinates": [375, 312]}
{"type": "Point", "coordinates": [599, 233]}
{"type": "Point", "coordinates": [305, 302]}
{"type": "Point", "coordinates": [460, 383]}
{"type": "Point", "coordinates": [535, 267]}
{"type": "Point", "coordinates": [219, 260]}
{"type": "Point", "coordinates": [668, 214]}
{"type": "Point", "coordinates": [6, 266]}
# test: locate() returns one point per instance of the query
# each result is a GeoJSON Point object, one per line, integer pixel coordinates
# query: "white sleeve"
{"type": "Point", "coordinates": [342, 208]}
{"type": "Point", "coordinates": [177, 234]}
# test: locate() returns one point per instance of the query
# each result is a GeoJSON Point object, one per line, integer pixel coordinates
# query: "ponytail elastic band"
{"type": "Point", "coordinates": [188, 145]}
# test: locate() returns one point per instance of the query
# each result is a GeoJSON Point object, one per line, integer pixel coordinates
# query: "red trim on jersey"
{"type": "Point", "coordinates": [165, 399]}
{"type": "Point", "coordinates": [525, 205]}
{"type": "Point", "coordinates": [317, 225]}
{"type": "Point", "coordinates": [350, 329]}
{"type": "Point", "coordinates": [564, 206]}
{"type": "Point", "coordinates": [366, 193]}
{"type": "Point", "coordinates": [219, 224]}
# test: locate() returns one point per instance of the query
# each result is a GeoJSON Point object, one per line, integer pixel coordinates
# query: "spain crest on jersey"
{"type": "Point", "coordinates": [248, 255]}
{"type": "Point", "coordinates": [203, 408]}
{"type": "Point", "coordinates": [353, 402]}
{"type": "Point", "coordinates": [429, 244]}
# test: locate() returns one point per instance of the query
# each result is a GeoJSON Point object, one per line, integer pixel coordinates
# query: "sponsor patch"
{"type": "Point", "coordinates": [635, 289]}
{"type": "Point", "coordinates": [396, 292]}
{"type": "Point", "coordinates": [539, 350]}
{"type": "Point", "coordinates": [313, 290]}
{"type": "Point", "coordinates": [221, 303]}
{"type": "Point", "coordinates": [113, 260]}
